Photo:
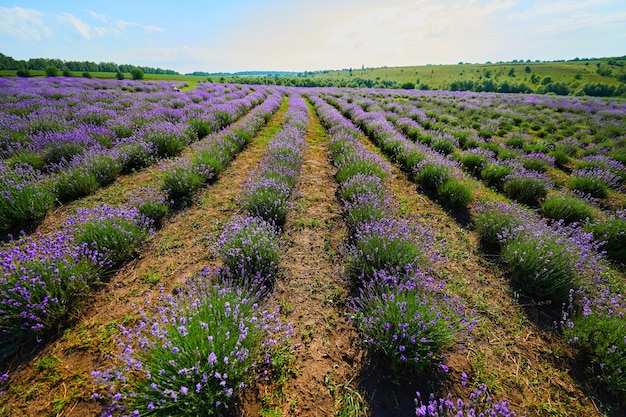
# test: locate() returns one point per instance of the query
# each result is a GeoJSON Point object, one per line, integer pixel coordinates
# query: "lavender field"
{"type": "Point", "coordinates": [281, 251]}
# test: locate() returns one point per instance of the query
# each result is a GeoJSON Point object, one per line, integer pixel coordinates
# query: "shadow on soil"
{"type": "Point", "coordinates": [391, 395]}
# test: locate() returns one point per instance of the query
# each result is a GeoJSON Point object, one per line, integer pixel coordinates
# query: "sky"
{"type": "Point", "coordinates": [310, 35]}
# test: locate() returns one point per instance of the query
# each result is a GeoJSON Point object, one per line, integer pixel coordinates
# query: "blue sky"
{"type": "Point", "coordinates": [299, 35]}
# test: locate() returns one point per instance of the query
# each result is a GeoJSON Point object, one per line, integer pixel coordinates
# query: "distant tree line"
{"type": "Point", "coordinates": [43, 64]}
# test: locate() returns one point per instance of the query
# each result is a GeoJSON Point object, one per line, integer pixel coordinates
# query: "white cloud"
{"type": "Point", "coordinates": [81, 27]}
{"type": "Point", "coordinates": [97, 16]}
{"type": "Point", "coordinates": [88, 31]}
{"type": "Point", "coordinates": [24, 24]}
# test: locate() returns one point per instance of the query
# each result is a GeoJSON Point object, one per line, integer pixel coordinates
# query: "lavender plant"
{"type": "Point", "coordinates": [250, 249]}
{"type": "Point", "coordinates": [194, 355]}
{"type": "Point", "coordinates": [395, 247]}
{"type": "Point", "coordinates": [567, 208]}
{"type": "Point", "coordinates": [41, 284]}
{"type": "Point", "coordinates": [114, 232]}
{"type": "Point", "coordinates": [24, 196]}
{"type": "Point", "coordinates": [455, 194]}
{"type": "Point", "coordinates": [409, 322]}
{"type": "Point", "coordinates": [525, 188]}
{"type": "Point", "coordinates": [612, 235]}
{"type": "Point", "coordinates": [75, 183]}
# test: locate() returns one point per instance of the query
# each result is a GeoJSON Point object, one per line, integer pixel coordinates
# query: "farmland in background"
{"type": "Point", "coordinates": [496, 220]}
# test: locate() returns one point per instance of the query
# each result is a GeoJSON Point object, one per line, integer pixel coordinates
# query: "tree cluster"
{"type": "Point", "coordinates": [45, 64]}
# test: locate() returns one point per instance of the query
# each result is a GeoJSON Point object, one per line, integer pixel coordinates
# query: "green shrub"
{"type": "Point", "coordinates": [535, 164]}
{"type": "Point", "coordinates": [52, 72]}
{"type": "Point", "coordinates": [525, 190]}
{"type": "Point", "coordinates": [35, 160]}
{"type": "Point", "coordinates": [411, 158]}
{"type": "Point", "coordinates": [117, 238]}
{"type": "Point", "coordinates": [166, 144]}
{"type": "Point", "coordinates": [595, 187]}
{"type": "Point", "coordinates": [74, 184]}
{"type": "Point", "coordinates": [455, 194]}
{"type": "Point", "coordinates": [443, 146]}
{"type": "Point", "coordinates": [540, 267]}
{"type": "Point", "coordinates": [568, 209]}
{"type": "Point", "coordinates": [360, 166]}
{"type": "Point", "coordinates": [24, 197]}
{"type": "Point", "coordinates": [613, 233]}
{"type": "Point", "coordinates": [515, 142]}
{"type": "Point", "coordinates": [64, 151]}
{"type": "Point", "coordinates": [474, 163]}
{"type": "Point", "coordinates": [600, 339]}
{"type": "Point", "coordinates": [181, 182]}
{"type": "Point", "coordinates": [430, 176]}
{"type": "Point", "coordinates": [137, 74]}
{"type": "Point", "coordinates": [560, 158]}
{"type": "Point", "coordinates": [106, 169]}
{"type": "Point", "coordinates": [494, 174]}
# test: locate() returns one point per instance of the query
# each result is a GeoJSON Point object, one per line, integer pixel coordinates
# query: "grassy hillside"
{"type": "Point", "coordinates": [566, 77]}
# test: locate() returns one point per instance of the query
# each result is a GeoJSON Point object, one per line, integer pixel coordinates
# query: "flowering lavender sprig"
{"type": "Point", "coordinates": [478, 404]}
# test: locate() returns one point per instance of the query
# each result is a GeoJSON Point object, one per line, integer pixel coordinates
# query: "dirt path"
{"type": "Point", "coordinates": [312, 293]}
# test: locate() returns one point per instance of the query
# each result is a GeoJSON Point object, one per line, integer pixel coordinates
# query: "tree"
{"type": "Point", "coordinates": [137, 74]}
{"type": "Point", "coordinates": [23, 72]}
{"type": "Point", "coordinates": [52, 72]}
{"type": "Point", "coordinates": [119, 75]}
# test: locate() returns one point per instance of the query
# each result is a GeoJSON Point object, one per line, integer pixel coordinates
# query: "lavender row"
{"type": "Point", "coordinates": [195, 353]}
{"type": "Point", "coordinates": [180, 178]}
{"type": "Point", "coordinates": [268, 192]}
{"type": "Point", "coordinates": [432, 170]}
{"type": "Point", "coordinates": [44, 280]}
{"type": "Point", "coordinates": [520, 175]}
{"type": "Point", "coordinates": [402, 311]}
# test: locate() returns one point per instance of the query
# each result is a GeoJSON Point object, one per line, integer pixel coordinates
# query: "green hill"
{"type": "Point", "coordinates": [600, 77]}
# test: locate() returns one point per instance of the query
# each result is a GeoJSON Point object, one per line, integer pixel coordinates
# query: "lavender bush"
{"type": "Point", "coordinates": [249, 248]}
{"type": "Point", "coordinates": [41, 284]}
{"type": "Point", "coordinates": [194, 355]}
{"type": "Point", "coordinates": [24, 196]}
{"type": "Point", "coordinates": [612, 235]}
{"type": "Point", "coordinates": [567, 208]}
{"type": "Point", "coordinates": [114, 232]}
{"type": "Point", "coordinates": [409, 322]}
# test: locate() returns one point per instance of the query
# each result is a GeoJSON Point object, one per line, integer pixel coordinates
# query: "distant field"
{"type": "Point", "coordinates": [192, 80]}
{"type": "Point", "coordinates": [596, 77]}
{"type": "Point", "coordinates": [440, 75]}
